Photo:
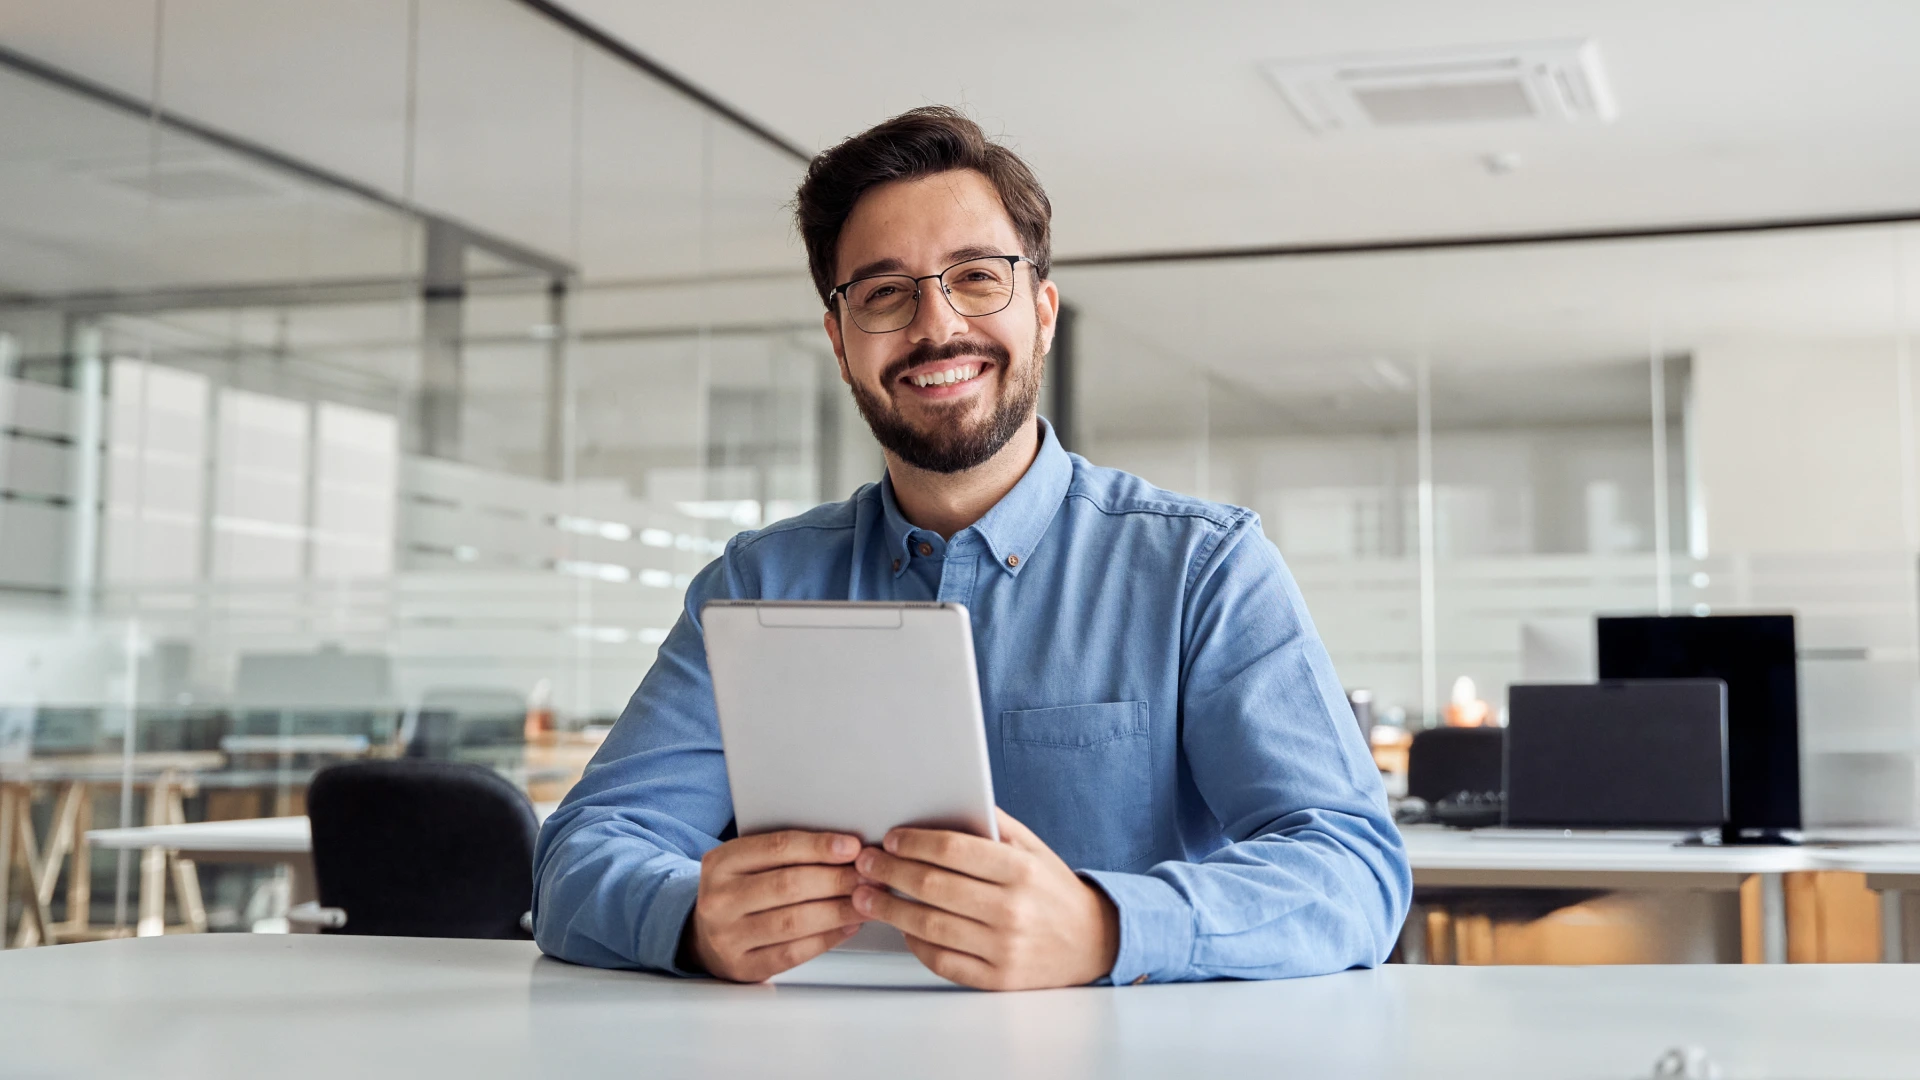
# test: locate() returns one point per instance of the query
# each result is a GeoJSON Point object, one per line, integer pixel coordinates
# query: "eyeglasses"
{"type": "Point", "coordinates": [887, 302]}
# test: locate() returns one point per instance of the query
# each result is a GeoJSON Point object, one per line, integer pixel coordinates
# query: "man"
{"type": "Point", "coordinates": [1184, 793]}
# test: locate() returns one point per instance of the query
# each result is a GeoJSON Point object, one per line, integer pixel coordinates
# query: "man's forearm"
{"type": "Point", "coordinates": [1321, 893]}
{"type": "Point", "coordinates": [608, 895]}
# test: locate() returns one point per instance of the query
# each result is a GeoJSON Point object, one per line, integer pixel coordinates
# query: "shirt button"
{"type": "Point", "coordinates": [926, 549]}
{"type": "Point", "coordinates": [1013, 560]}
{"type": "Point", "coordinates": [896, 566]}
{"type": "Point", "coordinates": [1138, 981]}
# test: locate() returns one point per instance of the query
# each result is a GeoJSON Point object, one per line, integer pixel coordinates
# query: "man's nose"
{"type": "Point", "coordinates": [935, 320]}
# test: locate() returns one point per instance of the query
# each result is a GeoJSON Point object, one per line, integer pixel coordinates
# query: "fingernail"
{"type": "Point", "coordinates": [865, 862]}
{"type": "Point", "coordinates": [862, 901]}
{"type": "Point", "coordinates": [849, 931]}
{"type": "Point", "coordinates": [845, 845]}
{"type": "Point", "coordinates": [891, 843]}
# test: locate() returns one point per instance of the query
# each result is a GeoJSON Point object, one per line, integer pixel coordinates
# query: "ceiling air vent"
{"type": "Point", "coordinates": [1548, 81]}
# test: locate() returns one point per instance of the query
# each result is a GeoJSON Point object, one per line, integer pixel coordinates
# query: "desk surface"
{"type": "Point", "coordinates": [277, 835]}
{"type": "Point", "coordinates": [142, 766]}
{"type": "Point", "coordinates": [295, 1006]}
{"type": "Point", "coordinates": [1431, 847]}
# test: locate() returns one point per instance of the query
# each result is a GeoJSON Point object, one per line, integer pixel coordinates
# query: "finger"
{"type": "Point", "coordinates": [934, 886]}
{"type": "Point", "coordinates": [793, 923]}
{"type": "Point", "coordinates": [975, 856]}
{"type": "Point", "coordinates": [788, 847]}
{"type": "Point", "coordinates": [781, 887]}
{"type": "Point", "coordinates": [942, 928]}
{"type": "Point", "coordinates": [1013, 832]}
{"type": "Point", "coordinates": [955, 966]}
{"type": "Point", "coordinates": [770, 960]}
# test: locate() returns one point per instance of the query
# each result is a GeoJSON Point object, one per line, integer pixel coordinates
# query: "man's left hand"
{"type": "Point", "coordinates": [1006, 915]}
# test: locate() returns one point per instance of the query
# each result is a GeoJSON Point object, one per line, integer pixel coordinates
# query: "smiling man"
{"type": "Point", "coordinates": [1183, 792]}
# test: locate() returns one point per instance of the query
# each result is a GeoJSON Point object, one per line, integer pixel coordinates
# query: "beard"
{"type": "Point", "coordinates": [954, 445]}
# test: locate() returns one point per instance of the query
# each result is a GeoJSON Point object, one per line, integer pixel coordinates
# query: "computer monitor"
{"type": "Point", "coordinates": [1617, 755]}
{"type": "Point", "coordinates": [1754, 656]}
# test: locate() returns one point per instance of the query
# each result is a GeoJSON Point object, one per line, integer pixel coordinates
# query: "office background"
{"type": "Point", "coordinates": [365, 360]}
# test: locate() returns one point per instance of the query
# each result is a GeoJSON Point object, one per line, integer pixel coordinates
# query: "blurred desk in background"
{"type": "Point", "coordinates": [167, 777]}
{"type": "Point", "coordinates": [1454, 858]}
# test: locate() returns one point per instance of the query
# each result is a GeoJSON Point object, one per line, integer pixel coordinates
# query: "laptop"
{"type": "Point", "coordinates": [1636, 755]}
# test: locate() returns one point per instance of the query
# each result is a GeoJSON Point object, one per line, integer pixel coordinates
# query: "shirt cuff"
{"type": "Point", "coordinates": [1156, 927]}
{"type": "Point", "coordinates": [659, 944]}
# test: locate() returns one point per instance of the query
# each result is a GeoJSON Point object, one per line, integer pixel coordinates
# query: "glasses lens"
{"type": "Point", "coordinates": [980, 287]}
{"type": "Point", "coordinates": [881, 304]}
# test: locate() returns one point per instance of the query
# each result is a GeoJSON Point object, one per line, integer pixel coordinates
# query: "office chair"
{"type": "Point", "coordinates": [1446, 761]}
{"type": "Point", "coordinates": [414, 848]}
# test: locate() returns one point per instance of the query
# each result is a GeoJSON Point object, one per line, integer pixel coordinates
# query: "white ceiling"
{"type": "Point", "coordinates": [661, 190]}
{"type": "Point", "coordinates": [1153, 127]}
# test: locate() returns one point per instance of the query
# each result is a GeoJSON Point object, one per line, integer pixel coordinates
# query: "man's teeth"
{"type": "Point", "coordinates": [950, 375]}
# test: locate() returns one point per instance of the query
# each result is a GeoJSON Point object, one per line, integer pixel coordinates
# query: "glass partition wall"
{"type": "Point", "coordinates": [308, 456]}
{"type": "Point", "coordinates": [1466, 454]}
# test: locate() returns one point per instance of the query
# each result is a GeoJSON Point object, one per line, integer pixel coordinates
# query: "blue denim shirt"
{"type": "Point", "coordinates": [1158, 709]}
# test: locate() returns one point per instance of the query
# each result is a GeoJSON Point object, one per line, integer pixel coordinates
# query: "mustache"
{"type": "Point", "coordinates": [927, 353]}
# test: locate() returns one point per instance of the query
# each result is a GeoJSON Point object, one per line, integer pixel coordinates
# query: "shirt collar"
{"type": "Point", "coordinates": [1013, 528]}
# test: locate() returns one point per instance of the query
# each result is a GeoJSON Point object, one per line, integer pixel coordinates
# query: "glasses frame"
{"type": "Point", "coordinates": [1013, 265]}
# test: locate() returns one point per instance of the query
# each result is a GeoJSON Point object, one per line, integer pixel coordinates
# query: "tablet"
{"type": "Point", "coordinates": [843, 716]}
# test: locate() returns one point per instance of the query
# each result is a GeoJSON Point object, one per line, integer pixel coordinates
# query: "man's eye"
{"type": "Point", "coordinates": [881, 292]}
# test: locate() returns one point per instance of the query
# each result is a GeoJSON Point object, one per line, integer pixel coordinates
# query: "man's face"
{"type": "Point", "coordinates": [989, 366]}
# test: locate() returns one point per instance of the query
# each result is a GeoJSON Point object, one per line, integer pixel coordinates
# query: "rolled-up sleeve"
{"type": "Point", "coordinates": [1315, 876]}
{"type": "Point", "coordinates": [616, 869]}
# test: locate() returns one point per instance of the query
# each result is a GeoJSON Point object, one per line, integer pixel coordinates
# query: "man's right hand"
{"type": "Point", "coordinates": [773, 901]}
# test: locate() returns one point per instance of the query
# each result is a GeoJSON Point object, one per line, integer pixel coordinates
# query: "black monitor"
{"type": "Point", "coordinates": [1754, 656]}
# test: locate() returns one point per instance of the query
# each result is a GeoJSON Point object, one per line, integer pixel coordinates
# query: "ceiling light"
{"type": "Point", "coordinates": [1542, 82]}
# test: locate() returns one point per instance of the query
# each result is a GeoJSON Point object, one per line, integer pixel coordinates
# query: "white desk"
{"type": "Point", "coordinates": [1452, 857]}
{"type": "Point", "coordinates": [1892, 870]}
{"type": "Point", "coordinates": [240, 1005]}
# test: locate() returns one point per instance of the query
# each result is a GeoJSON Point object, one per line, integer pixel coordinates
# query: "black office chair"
{"type": "Point", "coordinates": [420, 849]}
{"type": "Point", "coordinates": [1446, 761]}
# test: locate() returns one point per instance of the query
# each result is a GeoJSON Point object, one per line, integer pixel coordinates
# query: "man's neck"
{"type": "Point", "coordinates": [945, 503]}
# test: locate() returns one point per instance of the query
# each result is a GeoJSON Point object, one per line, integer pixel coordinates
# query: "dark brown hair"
{"type": "Point", "coordinates": [919, 142]}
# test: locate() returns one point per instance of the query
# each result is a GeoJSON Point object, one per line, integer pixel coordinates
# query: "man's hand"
{"type": "Point", "coordinates": [998, 916]}
{"type": "Point", "coordinates": [773, 901]}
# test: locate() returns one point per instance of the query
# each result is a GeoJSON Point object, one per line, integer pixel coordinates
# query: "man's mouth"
{"type": "Point", "coordinates": [943, 379]}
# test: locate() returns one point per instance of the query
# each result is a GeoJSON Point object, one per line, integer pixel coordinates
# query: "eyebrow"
{"type": "Point", "coordinates": [895, 266]}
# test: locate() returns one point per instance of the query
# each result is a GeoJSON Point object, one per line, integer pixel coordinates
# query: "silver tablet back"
{"type": "Point", "coordinates": [850, 717]}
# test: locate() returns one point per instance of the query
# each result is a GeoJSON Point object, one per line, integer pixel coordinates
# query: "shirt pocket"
{"type": "Point", "coordinates": [1081, 777]}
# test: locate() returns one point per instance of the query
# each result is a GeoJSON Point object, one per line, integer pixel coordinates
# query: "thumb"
{"type": "Point", "coordinates": [1012, 832]}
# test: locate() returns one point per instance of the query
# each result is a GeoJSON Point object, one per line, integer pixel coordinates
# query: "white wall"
{"type": "Point", "coordinates": [1798, 447]}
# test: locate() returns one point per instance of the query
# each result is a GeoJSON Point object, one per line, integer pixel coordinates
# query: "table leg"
{"type": "Point", "coordinates": [186, 878]}
{"type": "Point", "coordinates": [80, 877]}
{"type": "Point", "coordinates": [1773, 918]}
{"type": "Point", "coordinates": [46, 872]}
{"type": "Point", "coordinates": [34, 919]}
{"type": "Point", "coordinates": [153, 865]}
{"type": "Point", "coordinates": [1413, 936]}
{"type": "Point", "coordinates": [6, 857]}
{"type": "Point", "coordinates": [1893, 913]}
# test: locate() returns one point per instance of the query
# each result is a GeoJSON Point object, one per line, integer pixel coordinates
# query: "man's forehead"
{"type": "Point", "coordinates": [905, 223]}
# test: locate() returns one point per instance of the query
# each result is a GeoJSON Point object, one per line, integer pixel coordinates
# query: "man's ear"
{"type": "Point", "coordinates": [831, 321]}
{"type": "Point", "coordinates": [1046, 309]}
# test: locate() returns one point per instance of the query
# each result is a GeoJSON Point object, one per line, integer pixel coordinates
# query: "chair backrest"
{"type": "Point", "coordinates": [422, 848]}
{"type": "Point", "coordinates": [1444, 761]}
